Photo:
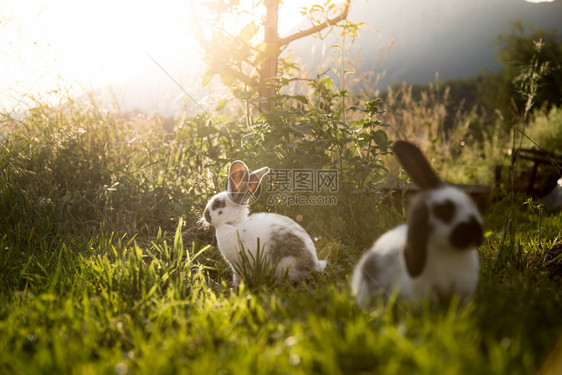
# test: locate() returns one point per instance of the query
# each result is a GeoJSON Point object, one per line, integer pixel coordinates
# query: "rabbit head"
{"type": "Point", "coordinates": [443, 218]}
{"type": "Point", "coordinates": [231, 206]}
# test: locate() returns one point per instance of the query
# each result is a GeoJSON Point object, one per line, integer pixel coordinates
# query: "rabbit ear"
{"type": "Point", "coordinates": [255, 179]}
{"type": "Point", "coordinates": [415, 250]}
{"type": "Point", "coordinates": [237, 187]}
{"type": "Point", "coordinates": [237, 177]}
{"type": "Point", "coordinates": [417, 166]}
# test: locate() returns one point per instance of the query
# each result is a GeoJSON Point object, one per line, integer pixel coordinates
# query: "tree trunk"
{"type": "Point", "coordinates": [268, 68]}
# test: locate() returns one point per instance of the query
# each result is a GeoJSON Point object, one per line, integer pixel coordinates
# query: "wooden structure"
{"type": "Point", "coordinates": [537, 157]}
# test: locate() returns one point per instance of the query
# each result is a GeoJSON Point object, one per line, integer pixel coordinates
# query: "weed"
{"type": "Point", "coordinates": [255, 268]}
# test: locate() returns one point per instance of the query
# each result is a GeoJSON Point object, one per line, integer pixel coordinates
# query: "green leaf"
{"type": "Point", "coordinates": [301, 98]}
{"type": "Point", "coordinates": [373, 105]}
{"type": "Point", "coordinates": [226, 78]}
{"type": "Point", "coordinates": [248, 32]}
{"type": "Point", "coordinates": [302, 129]}
{"type": "Point", "coordinates": [221, 104]}
{"type": "Point", "coordinates": [355, 108]}
{"type": "Point", "coordinates": [380, 138]}
{"type": "Point", "coordinates": [207, 76]}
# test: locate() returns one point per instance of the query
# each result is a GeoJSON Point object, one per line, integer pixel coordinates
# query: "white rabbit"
{"type": "Point", "coordinates": [284, 242]}
{"type": "Point", "coordinates": [435, 254]}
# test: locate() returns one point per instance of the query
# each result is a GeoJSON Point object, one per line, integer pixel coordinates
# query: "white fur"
{"type": "Point", "coordinates": [447, 269]}
{"type": "Point", "coordinates": [235, 227]}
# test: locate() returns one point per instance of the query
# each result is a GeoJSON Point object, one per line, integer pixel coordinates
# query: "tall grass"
{"type": "Point", "coordinates": [545, 131]}
{"type": "Point", "coordinates": [103, 269]}
{"type": "Point", "coordinates": [77, 168]}
{"type": "Point", "coordinates": [463, 143]}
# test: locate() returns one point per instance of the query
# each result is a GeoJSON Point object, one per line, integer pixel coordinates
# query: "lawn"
{"type": "Point", "coordinates": [104, 304]}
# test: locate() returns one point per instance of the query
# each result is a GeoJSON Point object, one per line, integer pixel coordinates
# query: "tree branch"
{"type": "Point", "coordinates": [316, 28]}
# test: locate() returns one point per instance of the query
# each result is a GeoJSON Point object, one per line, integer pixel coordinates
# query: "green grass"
{"type": "Point", "coordinates": [104, 269]}
{"type": "Point", "coordinates": [108, 305]}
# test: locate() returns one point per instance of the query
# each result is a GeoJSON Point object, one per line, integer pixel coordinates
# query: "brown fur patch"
{"type": "Point", "coordinates": [415, 250]}
{"type": "Point", "coordinates": [284, 243]}
{"type": "Point", "coordinates": [467, 234]}
{"type": "Point", "coordinates": [444, 211]}
{"type": "Point", "coordinates": [218, 203]}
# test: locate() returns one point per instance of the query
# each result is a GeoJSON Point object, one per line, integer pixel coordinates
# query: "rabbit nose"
{"type": "Point", "coordinates": [207, 216]}
{"type": "Point", "coordinates": [467, 233]}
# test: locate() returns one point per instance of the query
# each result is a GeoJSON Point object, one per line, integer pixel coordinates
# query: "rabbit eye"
{"type": "Point", "coordinates": [218, 203]}
{"type": "Point", "coordinates": [444, 211]}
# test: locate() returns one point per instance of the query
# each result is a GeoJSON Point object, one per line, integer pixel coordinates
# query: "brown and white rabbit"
{"type": "Point", "coordinates": [285, 243]}
{"type": "Point", "coordinates": [435, 254]}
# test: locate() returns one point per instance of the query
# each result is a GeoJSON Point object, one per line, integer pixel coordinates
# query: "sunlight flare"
{"type": "Point", "coordinates": [90, 43]}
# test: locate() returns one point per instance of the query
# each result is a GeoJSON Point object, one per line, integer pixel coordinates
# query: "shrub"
{"type": "Point", "coordinates": [77, 168]}
{"type": "Point", "coordinates": [545, 131]}
{"type": "Point", "coordinates": [320, 134]}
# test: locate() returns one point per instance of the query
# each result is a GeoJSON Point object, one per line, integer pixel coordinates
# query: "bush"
{"type": "Point", "coordinates": [545, 131]}
{"type": "Point", "coordinates": [77, 169]}
{"type": "Point", "coordinates": [321, 134]}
